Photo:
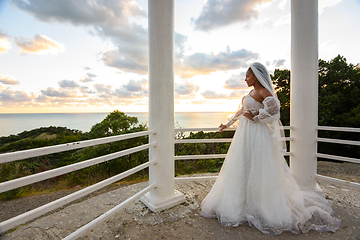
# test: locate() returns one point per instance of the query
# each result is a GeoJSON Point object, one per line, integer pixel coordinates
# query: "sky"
{"type": "Point", "coordinates": [66, 56]}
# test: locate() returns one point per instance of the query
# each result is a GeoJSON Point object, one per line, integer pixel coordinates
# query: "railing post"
{"type": "Point", "coordinates": [304, 91]}
{"type": "Point", "coordinates": [161, 106]}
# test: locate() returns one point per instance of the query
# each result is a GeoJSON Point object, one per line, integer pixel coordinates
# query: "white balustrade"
{"type": "Point", "coordinates": [30, 215]}
{"type": "Point", "coordinates": [13, 156]}
{"type": "Point", "coordinates": [160, 194]}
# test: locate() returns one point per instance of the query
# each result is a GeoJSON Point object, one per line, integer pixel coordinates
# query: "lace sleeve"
{"type": "Point", "coordinates": [235, 117]}
{"type": "Point", "coordinates": [271, 111]}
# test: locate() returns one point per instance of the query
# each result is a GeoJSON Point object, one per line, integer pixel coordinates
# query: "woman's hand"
{"type": "Point", "coordinates": [222, 127]}
{"type": "Point", "coordinates": [249, 115]}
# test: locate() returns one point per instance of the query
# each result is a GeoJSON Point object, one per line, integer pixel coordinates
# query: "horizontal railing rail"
{"type": "Point", "coordinates": [202, 129]}
{"type": "Point", "coordinates": [36, 152]}
{"type": "Point", "coordinates": [214, 156]}
{"type": "Point", "coordinates": [210, 156]}
{"type": "Point", "coordinates": [78, 233]}
{"type": "Point", "coordinates": [339, 181]}
{"type": "Point", "coordinates": [338, 141]}
{"type": "Point", "coordinates": [188, 179]}
{"type": "Point", "coordinates": [213, 178]}
{"type": "Point", "coordinates": [217, 129]}
{"type": "Point", "coordinates": [32, 214]}
{"type": "Point", "coordinates": [338, 158]}
{"type": "Point", "coordinates": [213, 140]}
{"type": "Point", "coordinates": [23, 181]}
{"type": "Point", "coordinates": [340, 129]}
{"type": "Point", "coordinates": [20, 182]}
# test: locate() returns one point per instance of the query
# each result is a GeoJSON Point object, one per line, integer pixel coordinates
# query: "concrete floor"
{"type": "Point", "coordinates": [180, 222]}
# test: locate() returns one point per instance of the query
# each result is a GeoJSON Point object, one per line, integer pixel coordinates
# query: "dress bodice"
{"type": "Point", "coordinates": [266, 111]}
{"type": "Point", "coordinates": [250, 104]}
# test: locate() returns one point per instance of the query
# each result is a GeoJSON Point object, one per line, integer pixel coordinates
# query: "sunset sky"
{"type": "Point", "coordinates": [92, 55]}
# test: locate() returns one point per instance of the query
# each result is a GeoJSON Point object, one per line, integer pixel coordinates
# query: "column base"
{"type": "Point", "coordinates": [316, 189]}
{"type": "Point", "coordinates": [157, 206]}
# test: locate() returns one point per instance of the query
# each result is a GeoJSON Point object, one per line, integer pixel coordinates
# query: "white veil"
{"type": "Point", "coordinates": [263, 76]}
{"type": "Point", "coordinates": [276, 127]}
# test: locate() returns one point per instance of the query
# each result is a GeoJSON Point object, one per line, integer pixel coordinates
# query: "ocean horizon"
{"type": "Point", "coordinates": [15, 123]}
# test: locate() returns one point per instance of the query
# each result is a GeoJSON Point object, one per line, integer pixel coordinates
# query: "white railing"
{"type": "Point", "coordinates": [209, 156]}
{"type": "Point", "coordinates": [338, 158]}
{"type": "Point", "coordinates": [25, 217]}
{"type": "Point", "coordinates": [212, 156]}
{"type": "Point", "coordinates": [215, 140]}
{"type": "Point", "coordinates": [12, 184]}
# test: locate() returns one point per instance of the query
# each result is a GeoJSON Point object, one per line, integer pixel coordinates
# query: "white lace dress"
{"type": "Point", "coordinates": [255, 185]}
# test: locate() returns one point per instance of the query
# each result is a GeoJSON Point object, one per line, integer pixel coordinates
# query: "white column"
{"type": "Point", "coordinates": [161, 106]}
{"type": "Point", "coordinates": [304, 91]}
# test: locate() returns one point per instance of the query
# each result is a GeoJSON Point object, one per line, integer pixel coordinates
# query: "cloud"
{"type": "Point", "coordinates": [8, 79]}
{"type": "Point", "coordinates": [278, 63]}
{"type": "Point", "coordinates": [327, 3]}
{"type": "Point", "coordinates": [8, 96]}
{"type": "Point", "coordinates": [110, 19]}
{"type": "Point", "coordinates": [91, 75]}
{"type": "Point", "coordinates": [88, 78]}
{"type": "Point", "coordinates": [284, 20]}
{"type": "Point", "coordinates": [102, 88]}
{"type": "Point", "coordinates": [87, 68]}
{"type": "Point", "coordinates": [71, 94]}
{"type": "Point", "coordinates": [236, 82]}
{"type": "Point", "coordinates": [68, 84]}
{"type": "Point", "coordinates": [122, 93]}
{"type": "Point", "coordinates": [39, 44]}
{"type": "Point", "coordinates": [204, 63]}
{"type": "Point", "coordinates": [186, 88]}
{"type": "Point", "coordinates": [133, 89]}
{"type": "Point", "coordinates": [110, 12]}
{"type": "Point", "coordinates": [282, 4]}
{"type": "Point", "coordinates": [220, 13]}
{"type": "Point", "coordinates": [209, 94]}
{"type": "Point", "coordinates": [131, 52]}
{"type": "Point", "coordinates": [135, 86]}
{"type": "Point", "coordinates": [180, 41]}
{"type": "Point", "coordinates": [237, 94]}
{"type": "Point", "coordinates": [126, 61]}
{"type": "Point", "coordinates": [5, 44]}
{"type": "Point", "coordinates": [51, 92]}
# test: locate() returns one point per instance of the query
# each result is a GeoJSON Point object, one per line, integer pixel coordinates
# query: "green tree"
{"type": "Point", "coordinates": [339, 106]}
{"type": "Point", "coordinates": [115, 123]}
{"type": "Point", "coordinates": [339, 93]}
{"type": "Point", "coordinates": [281, 80]}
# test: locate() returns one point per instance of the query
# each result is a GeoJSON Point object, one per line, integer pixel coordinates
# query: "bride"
{"type": "Point", "coordinates": [255, 185]}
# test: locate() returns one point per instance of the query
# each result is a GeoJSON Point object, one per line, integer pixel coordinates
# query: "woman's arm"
{"type": "Point", "coordinates": [232, 120]}
{"type": "Point", "coordinates": [271, 111]}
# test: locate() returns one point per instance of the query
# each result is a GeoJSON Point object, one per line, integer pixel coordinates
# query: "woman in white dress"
{"type": "Point", "coordinates": [255, 185]}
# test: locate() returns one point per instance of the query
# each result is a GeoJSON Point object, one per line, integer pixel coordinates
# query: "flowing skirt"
{"type": "Point", "coordinates": [255, 187]}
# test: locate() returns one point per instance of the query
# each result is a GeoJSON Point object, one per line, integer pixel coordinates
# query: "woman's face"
{"type": "Point", "coordinates": [250, 78]}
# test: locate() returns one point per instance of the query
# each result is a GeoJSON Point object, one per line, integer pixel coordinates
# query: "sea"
{"type": "Point", "coordinates": [14, 123]}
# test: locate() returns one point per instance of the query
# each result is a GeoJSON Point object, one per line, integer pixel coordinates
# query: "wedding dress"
{"type": "Point", "coordinates": [255, 185]}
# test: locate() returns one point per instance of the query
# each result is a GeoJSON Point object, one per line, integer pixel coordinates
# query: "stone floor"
{"type": "Point", "coordinates": [181, 222]}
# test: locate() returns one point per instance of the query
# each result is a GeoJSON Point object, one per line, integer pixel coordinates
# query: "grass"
{"type": "Point", "coordinates": [45, 136]}
{"type": "Point", "coordinates": [46, 186]}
